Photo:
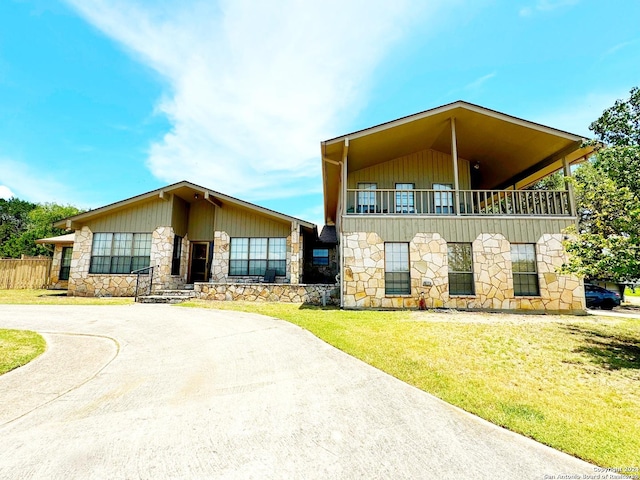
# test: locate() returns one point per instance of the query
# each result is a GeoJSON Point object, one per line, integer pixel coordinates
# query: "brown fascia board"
{"type": "Point", "coordinates": [451, 106]}
{"type": "Point", "coordinates": [158, 193]}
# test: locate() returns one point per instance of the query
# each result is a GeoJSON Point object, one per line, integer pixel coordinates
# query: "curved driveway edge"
{"type": "Point", "coordinates": [69, 362]}
{"type": "Point", "coordinates": [195, 393]}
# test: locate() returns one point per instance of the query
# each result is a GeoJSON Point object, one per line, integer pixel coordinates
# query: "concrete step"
{"type": "Point", "coordinates": [167, 296]}
{"type": "Point", "coordinates": [162, 299]}
{"type": "Point", "coordinates": [175, 293]}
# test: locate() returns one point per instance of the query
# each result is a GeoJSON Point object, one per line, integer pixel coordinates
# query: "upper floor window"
{"type": "Point", "coordinates": [443, 198]}
{"type": "Point", "coordinates": [460, 268]}
{"type": "Point", "coordinates": [254, 256]}
{"type": "Point", "coordinates": [405, 198]}
{"type": "Point", "coordinates": [120, 252]}
{"type": "Point", "coordinates": [367, 198]}
{"type": "Point", "coordinates": [525, 271]}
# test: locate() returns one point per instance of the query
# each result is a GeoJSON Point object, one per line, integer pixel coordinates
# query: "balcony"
{"type": "Point", "coordinates": [469, 202]}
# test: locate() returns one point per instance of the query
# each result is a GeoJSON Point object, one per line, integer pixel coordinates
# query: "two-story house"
{"type": "Point", "coordinates": [435, 205]}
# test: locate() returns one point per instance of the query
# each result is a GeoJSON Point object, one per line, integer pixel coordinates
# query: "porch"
{"type": "Point", "coordinates": [424, 202]}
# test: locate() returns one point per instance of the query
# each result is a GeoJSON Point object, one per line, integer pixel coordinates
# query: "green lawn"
{"type": "Point", "coordinates": [19, 347]}
{"type": "Point", "coordinates": [56, 297]}
{"type": "Point", "coordinates": [628, 292]}
{"type": "Point", "coordinates": [570, 382]}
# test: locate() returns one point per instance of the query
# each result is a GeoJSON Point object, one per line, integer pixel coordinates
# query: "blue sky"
{"type": "Point", "coordinates": [101, 100]}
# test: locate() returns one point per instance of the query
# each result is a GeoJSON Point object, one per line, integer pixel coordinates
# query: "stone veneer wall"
{"type": "Point", "coordinates": [364, 275]}
{"type": "Point", "coordinates": [294, 254]}
{"type": "Point", "coordinates": [220, 261]}
{"type": "Point", "coordinates": [269, 292]}
{"type": "Point", "coordinates": [363, 282]}
{"type": "Point", "coordinates": [84, 284]}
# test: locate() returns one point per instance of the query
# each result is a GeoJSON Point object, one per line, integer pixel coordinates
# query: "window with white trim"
{"type": "Point", "coordinates": [405, 198]}
{"type": "Point", "coordinates": [443, 197]}
{"type": "Point", "coordinates": [120, 252]}
{"type": "Point", "coordinates": [525, 271]}
{"type": "Point", "coordinates": [397, 278]}
{"type": "Point", "coordinates": [254, 256]}
{"type": "Point", "coordinates": [460, 268]}
{"type": "Point", "coordinates": [367, 198]}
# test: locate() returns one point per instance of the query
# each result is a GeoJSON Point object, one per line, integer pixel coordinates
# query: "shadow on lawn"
{"type": "Point", "coordinates": [613, 352]}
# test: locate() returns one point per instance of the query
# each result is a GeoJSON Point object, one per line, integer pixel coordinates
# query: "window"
{"type": "Point", "coordinates": [120, 252]}
{"type": "Point", "coordinates": [525, 273]}
{"type": "Point", "coordinates": [367, 199]}
{"type": "Point", "coordinates": [65, 263]}
{"type": "Point", "coordinates": [460, 269]}
{"type": "Point", "coordinates": [397, 280]}
{"type": "Point", "coordinates": [405, 198]}
{"type": "Point", "coordinates": [177, 254]}
{"type": "Point", "coordinates": [443, 198]}
{"type": "Point", "coordinates": [254, 256]}
{"type": "Point", "coordinates": [320, 256]}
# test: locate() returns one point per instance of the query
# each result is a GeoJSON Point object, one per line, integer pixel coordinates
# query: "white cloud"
{"type": "Point", "coordinates": [618, 47]}
{"type": "Point", "coordinates": [254, 86]}
{"type": "Point", "coordinates": [5, 192]}
{"type": "Point", "coordinates": [546, 6]}
{"type": "Point", "coordinates": [477, 83]}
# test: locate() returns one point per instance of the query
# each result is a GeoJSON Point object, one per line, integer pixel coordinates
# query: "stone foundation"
{"type": "Point", "coordinates": [268, 292]}
{"type": "Point", "coordinates": [363, 285]}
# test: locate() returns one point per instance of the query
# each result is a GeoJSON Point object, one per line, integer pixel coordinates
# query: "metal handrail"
{"type": "Point", "coordinates": [460, 202]}
{"type": "Point", "coordinates": [139, 272]}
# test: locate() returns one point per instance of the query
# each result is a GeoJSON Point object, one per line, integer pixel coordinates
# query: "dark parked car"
{"type": "Point", "coordinates": [601, 297]}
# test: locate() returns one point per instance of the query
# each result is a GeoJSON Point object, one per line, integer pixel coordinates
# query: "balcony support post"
{"type": "Point", "coordinates": [569, 187]}
{"type": "Point", "coordinates": [454, 159]}
{"type": "Point", "coordinates": [343, 172]}
{"type": "Point", "coordinates": [344, 177]}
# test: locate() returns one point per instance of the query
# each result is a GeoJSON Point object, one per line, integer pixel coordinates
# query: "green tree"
{"type": "Point", "coordinates": [618, 129]}
{"type": "Point", "coordinates": [14, 218]}
{"type": "Point", "coordinates": [37, 224]}
{"type": "Point", "coordinates": [555, 181]}
{"type": "Point", "coordinates": [606, 242]}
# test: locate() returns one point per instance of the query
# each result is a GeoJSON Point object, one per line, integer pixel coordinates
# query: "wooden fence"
{"type": "Point", "coordinates": [31, 272]}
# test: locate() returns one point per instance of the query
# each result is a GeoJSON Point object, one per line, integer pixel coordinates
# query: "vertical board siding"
{"type": "Point", "coordinates": [145, 217]}
{"type": "Point", "coordinates": [179, 216]}
{"type": "Point", "coordinates": [456, 229]}
{"type": "Point", "coordinates": [202, 216]}
{"type": "Point", "coordinates": [24, 273]}
{"type": "Point", "coordinates": [242, 222]}
{"type": "Point", "coordinates": [422, 168]}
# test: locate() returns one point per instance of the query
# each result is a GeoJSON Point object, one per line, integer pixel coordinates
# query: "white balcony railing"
{"type": "Point", "coordinates": [468, 202]}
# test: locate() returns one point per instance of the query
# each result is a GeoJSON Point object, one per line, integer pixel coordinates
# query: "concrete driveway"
{"type": "Point", "coordinates": [155, 392]}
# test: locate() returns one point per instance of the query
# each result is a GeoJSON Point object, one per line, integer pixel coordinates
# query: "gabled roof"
{"type": "Point", "coordinates": [188, 192]}
{"type": "Point", "coordinates": [509, 149]}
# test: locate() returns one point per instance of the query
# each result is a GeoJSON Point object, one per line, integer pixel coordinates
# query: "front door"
{"type": "Point", "coordinates": [199, 264]}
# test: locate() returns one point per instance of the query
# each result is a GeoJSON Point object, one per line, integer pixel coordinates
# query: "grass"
{"type": "Point", "coordinates": [19, 347]}
{"type": "Point", "coordinates": [570, 382]}
{"type": "Point", "coordinates": [56, 297]}
{"type": "Point", "coordinates": [628, 292]}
